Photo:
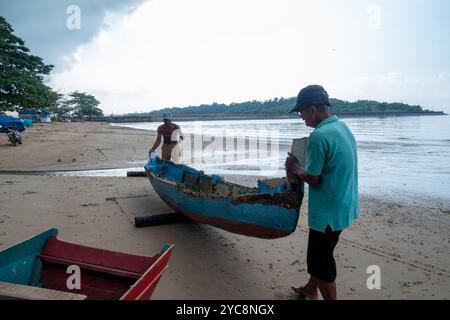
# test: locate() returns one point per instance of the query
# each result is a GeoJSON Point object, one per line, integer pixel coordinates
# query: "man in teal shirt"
{"type": "Point", "coordinates": [331, 171]}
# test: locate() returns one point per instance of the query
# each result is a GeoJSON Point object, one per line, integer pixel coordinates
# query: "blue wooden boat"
{"type": "Point", "coordinates": [37, 268]}
{"type": "Point", "coordinates": [268, 211]}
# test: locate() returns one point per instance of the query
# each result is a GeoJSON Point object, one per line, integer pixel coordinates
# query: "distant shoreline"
{"type": "Point", "coordinates": [205, 117]}
{"type": "Point", "coordinates": [185, 117]}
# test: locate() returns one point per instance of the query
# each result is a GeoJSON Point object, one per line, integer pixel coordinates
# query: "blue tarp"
{"type": "Point", "coordinates": [8, 121]}
{"type": "Point", "coordinates": [28, 111]}
{"type": "Point", "coordinates": [27, 122]}
{"type": "Point", "coordinates": [35, 114]}
{"type": "Point", "coordinates": [42, 112]}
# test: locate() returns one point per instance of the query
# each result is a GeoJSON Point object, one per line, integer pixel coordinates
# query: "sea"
{"type": "Point", "coordinates": [398, 157]}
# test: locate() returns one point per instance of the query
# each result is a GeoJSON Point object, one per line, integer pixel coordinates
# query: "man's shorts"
{"type": "Point", "coordinates": [171, 152]}
{"type": "Point", "coordinates": [320, 258]}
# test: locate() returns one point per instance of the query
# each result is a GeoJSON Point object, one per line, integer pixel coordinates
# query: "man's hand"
{"type": "Point", "coordinates": [291, 178]}
{"type": "Point", "coordinates": [293, 166]}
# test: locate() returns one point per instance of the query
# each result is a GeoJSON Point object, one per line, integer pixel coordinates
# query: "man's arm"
{"type": "Point", "coordinates": [156, 144]}
{"type": "Point", "coordinates": [180, 133]}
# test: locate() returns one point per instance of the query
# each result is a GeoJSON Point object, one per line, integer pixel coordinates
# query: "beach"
{"type": "Point", "coordinates": [408, 240]}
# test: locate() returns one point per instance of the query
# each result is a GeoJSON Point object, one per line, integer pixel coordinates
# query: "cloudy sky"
{"type": "Point", "coordinates": [137, 55]}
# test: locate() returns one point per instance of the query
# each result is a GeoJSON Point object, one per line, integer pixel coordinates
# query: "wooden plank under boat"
{"type": "Point", "coordinates": [41, 263]}
{"type": "Point", "coordinates": [269, 211]}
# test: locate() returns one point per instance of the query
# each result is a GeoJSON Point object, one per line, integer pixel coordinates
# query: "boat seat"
{"type": "Point", "coordinates": [115, 263]}
{"type": "Point", "coordinates": [238, 190]}
{"type": "Point", "coordinates": [13, 291]}
{"type": "Point", "coordinates": [222, 189]}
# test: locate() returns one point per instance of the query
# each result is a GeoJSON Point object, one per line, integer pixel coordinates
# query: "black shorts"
{"type": "Point", "coordinates": [320, 258]}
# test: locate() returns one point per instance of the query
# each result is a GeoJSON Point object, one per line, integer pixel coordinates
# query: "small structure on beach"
{"type": "Point", "coordinates": [36, 115]}
{"type": "Point", "coordinates": [45, 116]}
{"type": "Point", "coordinates": [31, 114]}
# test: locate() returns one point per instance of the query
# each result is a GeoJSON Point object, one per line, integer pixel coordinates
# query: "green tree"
{"type": "Point", "coordinates": [84, 105]}
{"type": "Point", "coordinates": [283, 105]}
{"type": "Point", "coordinates": [60, 105]}
{"type": "Point", "coordinates": [21, 74]}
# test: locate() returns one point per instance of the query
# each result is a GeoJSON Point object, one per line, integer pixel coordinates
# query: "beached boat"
{"type": "Point", "coordinates": [269, 211]}
{"type": "Point", "coordinates": [39, 268]}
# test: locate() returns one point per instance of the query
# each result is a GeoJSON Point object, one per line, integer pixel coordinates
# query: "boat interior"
{"type": "Point", "coordinates": [198, 181]}
{"type": "Point", "coordinates": [43, 262]}
{"type": "Point", "coordinates": [105, 275]}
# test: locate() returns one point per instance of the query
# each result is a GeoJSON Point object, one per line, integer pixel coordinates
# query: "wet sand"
{"type": "Point", "coordinates": [409, 242]}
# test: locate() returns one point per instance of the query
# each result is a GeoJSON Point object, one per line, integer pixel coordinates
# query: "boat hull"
{"type": "Point", "coordinates": [267, 216]}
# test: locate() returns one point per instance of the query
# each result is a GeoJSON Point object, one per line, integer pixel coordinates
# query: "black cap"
{"type": "Point", "coordinates": [309, 96]}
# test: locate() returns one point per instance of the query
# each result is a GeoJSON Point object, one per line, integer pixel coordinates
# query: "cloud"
{"type": "Point", "coordinates": [42, 24]}
{"type": "Point", "coordinates": [178, 53]}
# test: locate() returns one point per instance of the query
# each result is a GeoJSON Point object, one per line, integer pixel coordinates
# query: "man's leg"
{"type": "Point", "coordinates": [166, 152]}
{"type": "Point", "coordinates": [328, 290]}
{"type": "Point", "coordinates": [321, 264]}
{"type": "Point", "coordinates": [310, 290]}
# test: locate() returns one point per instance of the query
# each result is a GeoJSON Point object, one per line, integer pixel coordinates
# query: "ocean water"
{"type": "Point", "coordinates": [406, 157]}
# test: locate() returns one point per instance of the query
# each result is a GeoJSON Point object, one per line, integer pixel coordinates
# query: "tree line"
{"type": "Point", "coordinates": [283, 105]}
{"type": "Point", "coordinates": [23, 78]}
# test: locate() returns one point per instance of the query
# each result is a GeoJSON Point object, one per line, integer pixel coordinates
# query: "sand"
{"type": "Point", "coordinates": [408, 241]}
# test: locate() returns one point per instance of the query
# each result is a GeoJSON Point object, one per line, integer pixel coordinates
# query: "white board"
{"type": "Point", "coordinates": [299, 149]}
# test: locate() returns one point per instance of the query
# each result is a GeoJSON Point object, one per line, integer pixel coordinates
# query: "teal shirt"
{"type": "Point", "coordinates": [331, 154]}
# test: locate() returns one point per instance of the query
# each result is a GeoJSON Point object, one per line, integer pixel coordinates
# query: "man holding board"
{"type": "Point", "coordinates": [331, 171]}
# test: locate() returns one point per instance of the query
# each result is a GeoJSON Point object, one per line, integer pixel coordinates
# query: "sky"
{"type": "Point", "coordinates": [138, 56]}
